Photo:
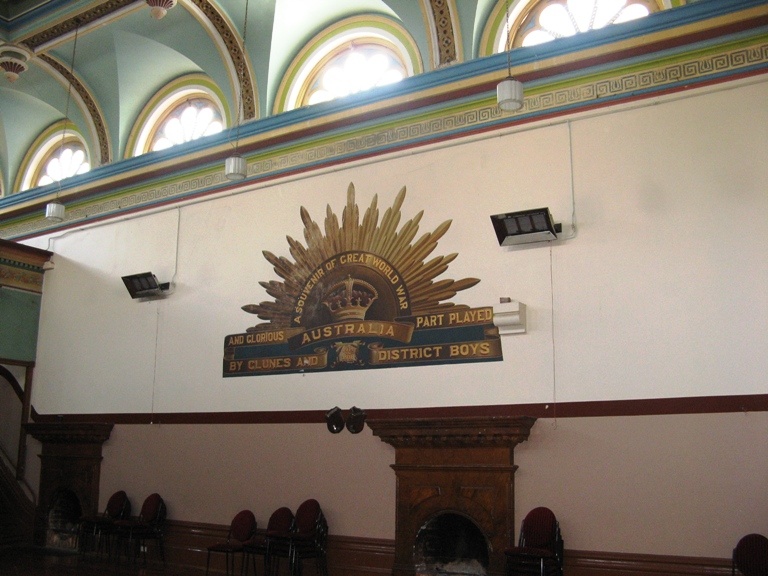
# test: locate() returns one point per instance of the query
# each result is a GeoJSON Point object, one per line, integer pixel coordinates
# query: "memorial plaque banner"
{"type": "Point", "coordinates": [362, 295]}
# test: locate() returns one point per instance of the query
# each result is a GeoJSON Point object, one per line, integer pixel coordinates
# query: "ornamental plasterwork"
{"type": "Point", "coordinates": [97, 119]}
{"type": "Point", "coordinates": [104, 9]}
{"type": "Point", "coordinates": [444, 33]}
{"type": "Point", "coordinates": [624, 84]}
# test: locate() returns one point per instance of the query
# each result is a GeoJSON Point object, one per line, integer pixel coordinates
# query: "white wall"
{"type": "Point", "coordinates": [662, 293]}
{"type": "Point", "coordinates": [680, 485]}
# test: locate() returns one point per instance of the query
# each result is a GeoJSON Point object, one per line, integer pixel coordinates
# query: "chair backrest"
{"type": "Point", "coordinates": [118, 506]}
{"type": "Point", "coordinates": [751, 555]}
{"type": "Point", "coordinates": [153, 510]}
{"type": "Point", "coordinates": [539, 529]}
{"type": "Point", "coordinates": [307, 515]}
{"type": "Point", "coordinates": [243, 526]}
{"type": "Point", "coordinates": [281, 520]}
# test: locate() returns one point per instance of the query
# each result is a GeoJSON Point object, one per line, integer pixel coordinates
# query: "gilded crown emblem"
{"type": "Point", "coordinates": [350, 299]}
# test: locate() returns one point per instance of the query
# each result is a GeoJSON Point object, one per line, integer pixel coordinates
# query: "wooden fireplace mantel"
{"type": "Point", "coordinates": [461, 466]}
{"type": "Point", "coordinates": [472, 431]}
{"type": "Point", "coordinates": [70, 459]}
{"type": "Point", "coordinates": [70, 433]}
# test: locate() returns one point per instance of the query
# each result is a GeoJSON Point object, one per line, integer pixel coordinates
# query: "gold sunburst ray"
{"type": "Point", "coordinates": [380, 238]}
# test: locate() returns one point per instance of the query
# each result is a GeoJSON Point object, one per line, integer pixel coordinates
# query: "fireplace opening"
{"type": "Point", "coordinates": [63, 520]}
{"type": "Point", "coordinates": [450, 543]}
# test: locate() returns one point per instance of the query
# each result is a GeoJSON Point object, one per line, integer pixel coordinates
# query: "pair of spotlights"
{"type": "Point", "coordinates": [355, 422]}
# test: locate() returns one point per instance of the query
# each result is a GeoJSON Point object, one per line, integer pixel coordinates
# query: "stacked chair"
{"type": "Point", "coordinates": [241, 530]}
{"type": "Point", "coordinates": [281, 522]}
{"type": "Point", "coordinates": [96, 531]}
{"type": "Point", "coordinates": [134, 533]}
{"type": "Point", "coordinates": [750, 556]}
{"type": "Point", "coordinates": [540, 549]}
{"type": "Point", "coordinates": [307, 540]}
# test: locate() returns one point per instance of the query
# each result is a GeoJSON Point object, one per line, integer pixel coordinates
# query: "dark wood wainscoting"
{"type": "Point", "coordinates": [187, 542]}
{"type": "Point", "coordinates": [587, 563]}
{"type": "Point", "coordinates": [186, 546]}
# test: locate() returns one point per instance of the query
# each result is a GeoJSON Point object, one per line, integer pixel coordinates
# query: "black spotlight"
{"type": "Point", "coordinates": [355, 420]}
{"type": "Point", "coordinates": [334, 419]}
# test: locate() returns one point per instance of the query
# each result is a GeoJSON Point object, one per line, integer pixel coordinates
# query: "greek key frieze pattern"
{"type": "Point", "coordinates": [650, 79]}
{"type": "Point", "coordinates": [483, 114]}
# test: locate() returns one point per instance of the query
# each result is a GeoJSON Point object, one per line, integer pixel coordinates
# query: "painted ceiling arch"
{"type": "Point", "coordinates": [124, 56]}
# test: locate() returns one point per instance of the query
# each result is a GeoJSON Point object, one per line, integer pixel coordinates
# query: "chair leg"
{"type": "Point", "coordinates": [208, 563]}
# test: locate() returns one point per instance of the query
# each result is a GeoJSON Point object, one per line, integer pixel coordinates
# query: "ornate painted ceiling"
{"type": "Point", "coordinates": [123, 56]}
{"type": "Point", "coordinates": [119, 56]}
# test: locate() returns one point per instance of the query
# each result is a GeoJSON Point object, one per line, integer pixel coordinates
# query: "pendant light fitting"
{"type": "Point", "coordinates": [54, 211]}
{"type": "Point", "coordinates": [509, 92]}
{"type": "Point", "coordinates": [235, 166]}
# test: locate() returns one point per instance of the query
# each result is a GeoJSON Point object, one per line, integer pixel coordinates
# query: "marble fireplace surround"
{"type": "Point", "coordinates": [463, 466]}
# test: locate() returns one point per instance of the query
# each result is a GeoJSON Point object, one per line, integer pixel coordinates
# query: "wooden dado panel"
{"type": "Point", "coordinates": [186, 544]}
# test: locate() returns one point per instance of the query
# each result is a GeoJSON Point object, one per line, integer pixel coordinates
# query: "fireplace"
{"type": "Point", "coordinates": [455, 509]}
{"type": "Point", "coordinates": [450, 543]}
{"type": "Point", "coordinates": [63, 525]}
{"type": "Point", "coordinates": [69, 479]}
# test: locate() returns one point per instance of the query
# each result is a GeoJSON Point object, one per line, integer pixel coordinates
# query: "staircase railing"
{"type": "Point", "coordinates": [17, 497]}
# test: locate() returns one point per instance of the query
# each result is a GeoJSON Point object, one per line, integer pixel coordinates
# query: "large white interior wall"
{"type": "Point", "coordinates": [663, 292]}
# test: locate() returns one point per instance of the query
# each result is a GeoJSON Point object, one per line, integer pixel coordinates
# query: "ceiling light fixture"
{"type": "Point", "coordinates": [509, 92]}
{"type": "Point", "coordinates": [235, 167]}
{"type": "Point", "coordinates": [159, 8]}
{"type": "Point", "coordinates": [13, 61]}
{"type": "Point", "coordinates": [54, 211]}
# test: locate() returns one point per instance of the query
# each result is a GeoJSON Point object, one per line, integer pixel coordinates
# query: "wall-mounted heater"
{"type": "Point", "coordinates": [145, 285]}
{"type": "Point", "coordinates": [525, 227]}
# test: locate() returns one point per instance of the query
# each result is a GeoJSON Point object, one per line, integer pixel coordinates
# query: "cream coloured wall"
{"type": "Point", "coordinates": [687, 485]}
{"type": "Point", "coordinates": [662, 292]}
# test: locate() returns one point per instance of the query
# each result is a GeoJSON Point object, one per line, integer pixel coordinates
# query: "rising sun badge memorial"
{"type": "Point", "coordinates": [363, 294]}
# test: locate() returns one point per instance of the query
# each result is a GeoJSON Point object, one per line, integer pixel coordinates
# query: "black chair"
{"type": "Point", "coordinates": [540, 548]}
{"type": "Point", "coordinates": [307, 540]}
{"type": "Point", "coordinates": [134, 533]}
{"type": "Point", "coordinates": [96, 531]}
{"type": "Point", "coordinates": [750, 557]}
{"type": "Point", "coordinates": [281, 522]}
{"type": "Point", "coordinates": [241, 529]}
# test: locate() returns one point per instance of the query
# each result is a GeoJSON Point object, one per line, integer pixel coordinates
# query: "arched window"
{"type": "Point", "coordinates": [58, 153]}
{"type": "Point", "coordinates": [534, 22]}
{"type": "Point", "coordinates": [353, 55]}
{"type": "Point", "coordinates": [187, 121]}
{"type": "Point", "coordinates": [352, 68]}
{"type": "Point", "coordinates": [186, 110]}
{"type": "Point", "coordinates": [551, 19]}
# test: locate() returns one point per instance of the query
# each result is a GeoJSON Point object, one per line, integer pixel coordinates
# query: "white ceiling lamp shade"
{"type": "Point", "coordinates": [54, 211]}
{"type": "Point", "coordinates": [509, 92]}
{"type": "Point", "coordinates": [159, 8]}
{"type": "Point", "coordinates": [235, 167]}
{"type": "Point", "coordinates": [13, 61]}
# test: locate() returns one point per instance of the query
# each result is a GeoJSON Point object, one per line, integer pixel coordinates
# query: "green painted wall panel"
{"type": "Point", "coordinates": [19, 317]}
